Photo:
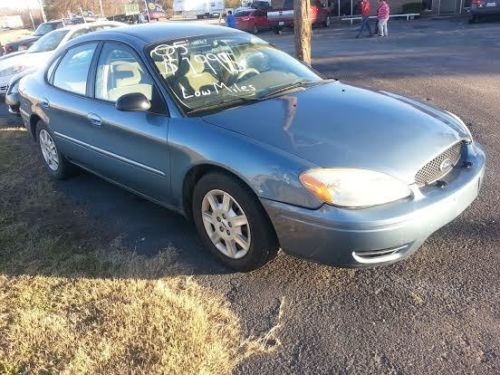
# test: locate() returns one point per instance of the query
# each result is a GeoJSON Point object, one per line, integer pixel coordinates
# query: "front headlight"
{"type": "Point", "coordinates": [353, 187]}
{"type": "Point", "coordinates": [12, 70]}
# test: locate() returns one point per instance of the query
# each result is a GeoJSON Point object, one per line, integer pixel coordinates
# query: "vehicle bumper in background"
{"type": "Point", "coordinates": [377, 235]}
{"type": "Point", "coordinates": [12, 101]}
{"type": "Point", "coordinates": [485, 10]}
{"type": "Point", "coordinates": [4, 85]}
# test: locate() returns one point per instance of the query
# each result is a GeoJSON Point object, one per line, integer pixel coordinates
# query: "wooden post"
{"type": "Point", "coordinates": [302, 29]}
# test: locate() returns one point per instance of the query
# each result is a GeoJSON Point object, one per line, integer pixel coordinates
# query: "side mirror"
{"type": "Point", "coordinates": [133, 102]}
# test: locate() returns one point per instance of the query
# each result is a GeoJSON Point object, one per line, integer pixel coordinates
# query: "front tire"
{"type": "Point", "coordinates": [232, 223]}
{"type": "Point", "coordinates": [54, 161]}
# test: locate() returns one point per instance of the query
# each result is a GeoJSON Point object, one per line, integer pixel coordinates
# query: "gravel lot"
{"type": "Point", "coordinates": [437, 312]}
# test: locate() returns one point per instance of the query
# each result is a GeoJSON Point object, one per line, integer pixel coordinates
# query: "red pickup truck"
{"type": "Point", "coordinates": [281, 18]}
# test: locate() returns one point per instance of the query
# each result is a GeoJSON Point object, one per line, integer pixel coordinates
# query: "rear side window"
{"type": "Point", "coordinates": [52, 66]}
{"type": "Point", "coordinates": [72, 72]}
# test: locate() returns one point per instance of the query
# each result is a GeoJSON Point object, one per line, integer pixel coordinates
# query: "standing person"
{"type": "Point", "coordinates": [383, 13]}
{"type": "Point", "coordinates": [365, 13]}
{"type": "Point", "coordinates": [230, 19]}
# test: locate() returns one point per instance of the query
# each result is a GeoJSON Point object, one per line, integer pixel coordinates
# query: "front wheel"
{"type": "Point", "coordinates": [55, 162]}
{"type": "Point", "coordinates": [232, 223]}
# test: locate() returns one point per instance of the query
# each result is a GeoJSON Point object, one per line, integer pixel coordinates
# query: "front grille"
{"type": "Point", "coordinates": [440, 166]}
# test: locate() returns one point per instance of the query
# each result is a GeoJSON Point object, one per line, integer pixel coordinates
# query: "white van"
{"type": "Point", "coordinates": [198, 8]}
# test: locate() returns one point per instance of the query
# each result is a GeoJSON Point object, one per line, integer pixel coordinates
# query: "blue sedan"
{"type": "Point", "coordinates": [252, 145]}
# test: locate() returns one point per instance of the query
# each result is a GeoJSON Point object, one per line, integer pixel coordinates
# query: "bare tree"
{"type": "Point", "coordinates": [302, 27]}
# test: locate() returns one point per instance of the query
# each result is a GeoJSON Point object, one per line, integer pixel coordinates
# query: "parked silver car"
{"type": "Point", "coordinates": [252, 145]}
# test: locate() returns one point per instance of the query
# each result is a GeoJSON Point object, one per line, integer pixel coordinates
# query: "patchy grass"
{"type": "Point", "coordinates": [71, 304]}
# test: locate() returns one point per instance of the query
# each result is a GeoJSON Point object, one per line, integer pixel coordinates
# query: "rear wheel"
{"type": "Point", "coordinates": [255, 29]}
{"type": "Point", "coordinates": [473, 18]}
{"type": "Point", "coordinates": [232, 223]}
{"type": "Point", "coordinates": [56, 163]}
{"type": "Point", "coordinates": [327, 21]}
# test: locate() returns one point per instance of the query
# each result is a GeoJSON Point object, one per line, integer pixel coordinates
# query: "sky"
{"type": "Point", "coordinates": [19, 4]}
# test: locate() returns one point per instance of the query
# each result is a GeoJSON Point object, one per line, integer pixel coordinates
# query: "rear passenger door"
{"type": "Point", "coordinates": [66, 101]}
{"type": "Point", "coordinates": [131, 146]}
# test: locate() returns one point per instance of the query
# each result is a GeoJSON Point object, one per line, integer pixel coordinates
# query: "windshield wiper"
{"type": "Point", "coordinates": [292, 86]}
{"type": "Point", "coordinates": [223, 104]}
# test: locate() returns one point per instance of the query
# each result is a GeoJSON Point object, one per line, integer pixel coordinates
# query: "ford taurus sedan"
{"type": "Point", "coordinates": [253, 146]}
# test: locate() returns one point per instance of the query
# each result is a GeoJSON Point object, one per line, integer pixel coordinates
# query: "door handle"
{"type": "Point", "coordinates": [45, 103]}
{"type": "Point", "coordinates": [94, 119]}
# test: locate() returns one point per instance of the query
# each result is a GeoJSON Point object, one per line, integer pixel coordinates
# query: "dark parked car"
{"type": "Point", "coordinates": [26, 42]}
{"type": "Point", "coordinates": [480, 8]}
{"type": "Point", "coordinates": [252, 145]}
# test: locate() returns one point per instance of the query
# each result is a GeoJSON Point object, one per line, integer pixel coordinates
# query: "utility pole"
{"type": "Point", "coordinates": [302, 29]}
{"type": "Point", "coordinates": [100, 6]}
{"type": "Point", "coordinates": [42, 10]}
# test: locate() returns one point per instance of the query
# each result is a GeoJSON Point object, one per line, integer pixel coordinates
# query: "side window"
{"type": "Point", "coordinates": [51, 69]}
{"type": "Point", "coordinates": [71, 74]}
{"type": "Point", "coordinates": [119, 72]}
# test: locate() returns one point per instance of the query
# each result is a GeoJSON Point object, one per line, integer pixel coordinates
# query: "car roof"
{"type": "Point", "coordinates": [159, 32]}
{"type": "Point", "coordinates": [89, 24]}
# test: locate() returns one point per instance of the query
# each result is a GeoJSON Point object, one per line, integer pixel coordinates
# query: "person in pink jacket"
{"type": "Point", "coordinates": [383, 12]}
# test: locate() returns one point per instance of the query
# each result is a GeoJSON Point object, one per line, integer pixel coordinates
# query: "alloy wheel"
{"type": "Point", "coordinates": [49, 150]}
{"type": "Point", "coordinates": [226, 224]}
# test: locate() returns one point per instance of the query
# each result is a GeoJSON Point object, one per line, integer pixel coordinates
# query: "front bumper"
{"type": "Point", "coordinates": [12, 101]}
{"type": "Point", "coordinates": [4, 84]}
{"type": "Point", "coordinates": [377, 235]}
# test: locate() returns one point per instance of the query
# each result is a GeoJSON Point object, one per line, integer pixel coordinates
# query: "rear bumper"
{"type": "Point", "coordinates": [484, 10]}
{"type": "Point", "coordinates": [378, 235]}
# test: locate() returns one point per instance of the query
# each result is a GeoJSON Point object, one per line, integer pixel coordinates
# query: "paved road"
{"type": "Point", "coordinates": [437, 312]}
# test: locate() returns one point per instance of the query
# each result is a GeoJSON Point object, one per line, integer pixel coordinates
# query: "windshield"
{"type": "Point", "coordinates": [48, 42]}
{"type": "Point", "coordinates": [220, 71]}
{"type": "Point", "coordinates": [45, 28]}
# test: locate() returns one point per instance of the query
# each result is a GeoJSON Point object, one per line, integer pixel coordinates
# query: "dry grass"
{"type": "Point", "coordinates": [71, 304]}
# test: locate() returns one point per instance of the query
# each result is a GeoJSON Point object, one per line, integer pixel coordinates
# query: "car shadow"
{"type": "Point", "coordinates": [143, 227]}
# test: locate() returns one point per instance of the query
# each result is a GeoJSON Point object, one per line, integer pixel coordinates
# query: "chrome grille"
{"type": "Point", "coordinates": [440, 166]}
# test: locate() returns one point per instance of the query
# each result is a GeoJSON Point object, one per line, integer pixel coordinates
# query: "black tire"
{"type": "Point", "coordinates": [64, 168]}
{"type": "Point", "coordinates": [263, 243]}
{"type": "Point", "coordinates": [473, 19]}
{"type": "Point", "coordinates": [327, 22]}
{"type": "Point", "coordinates": [255, 29]}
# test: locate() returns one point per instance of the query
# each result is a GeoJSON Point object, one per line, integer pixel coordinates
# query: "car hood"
{"type": "Point", "coordinates": [27, 59]}
{"type": "Point", "coordinates": [12, 54]}
{"type": "Point", "coordinates": [338, 125]}
{"type": "Point", "coordinates": [26, 39]}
